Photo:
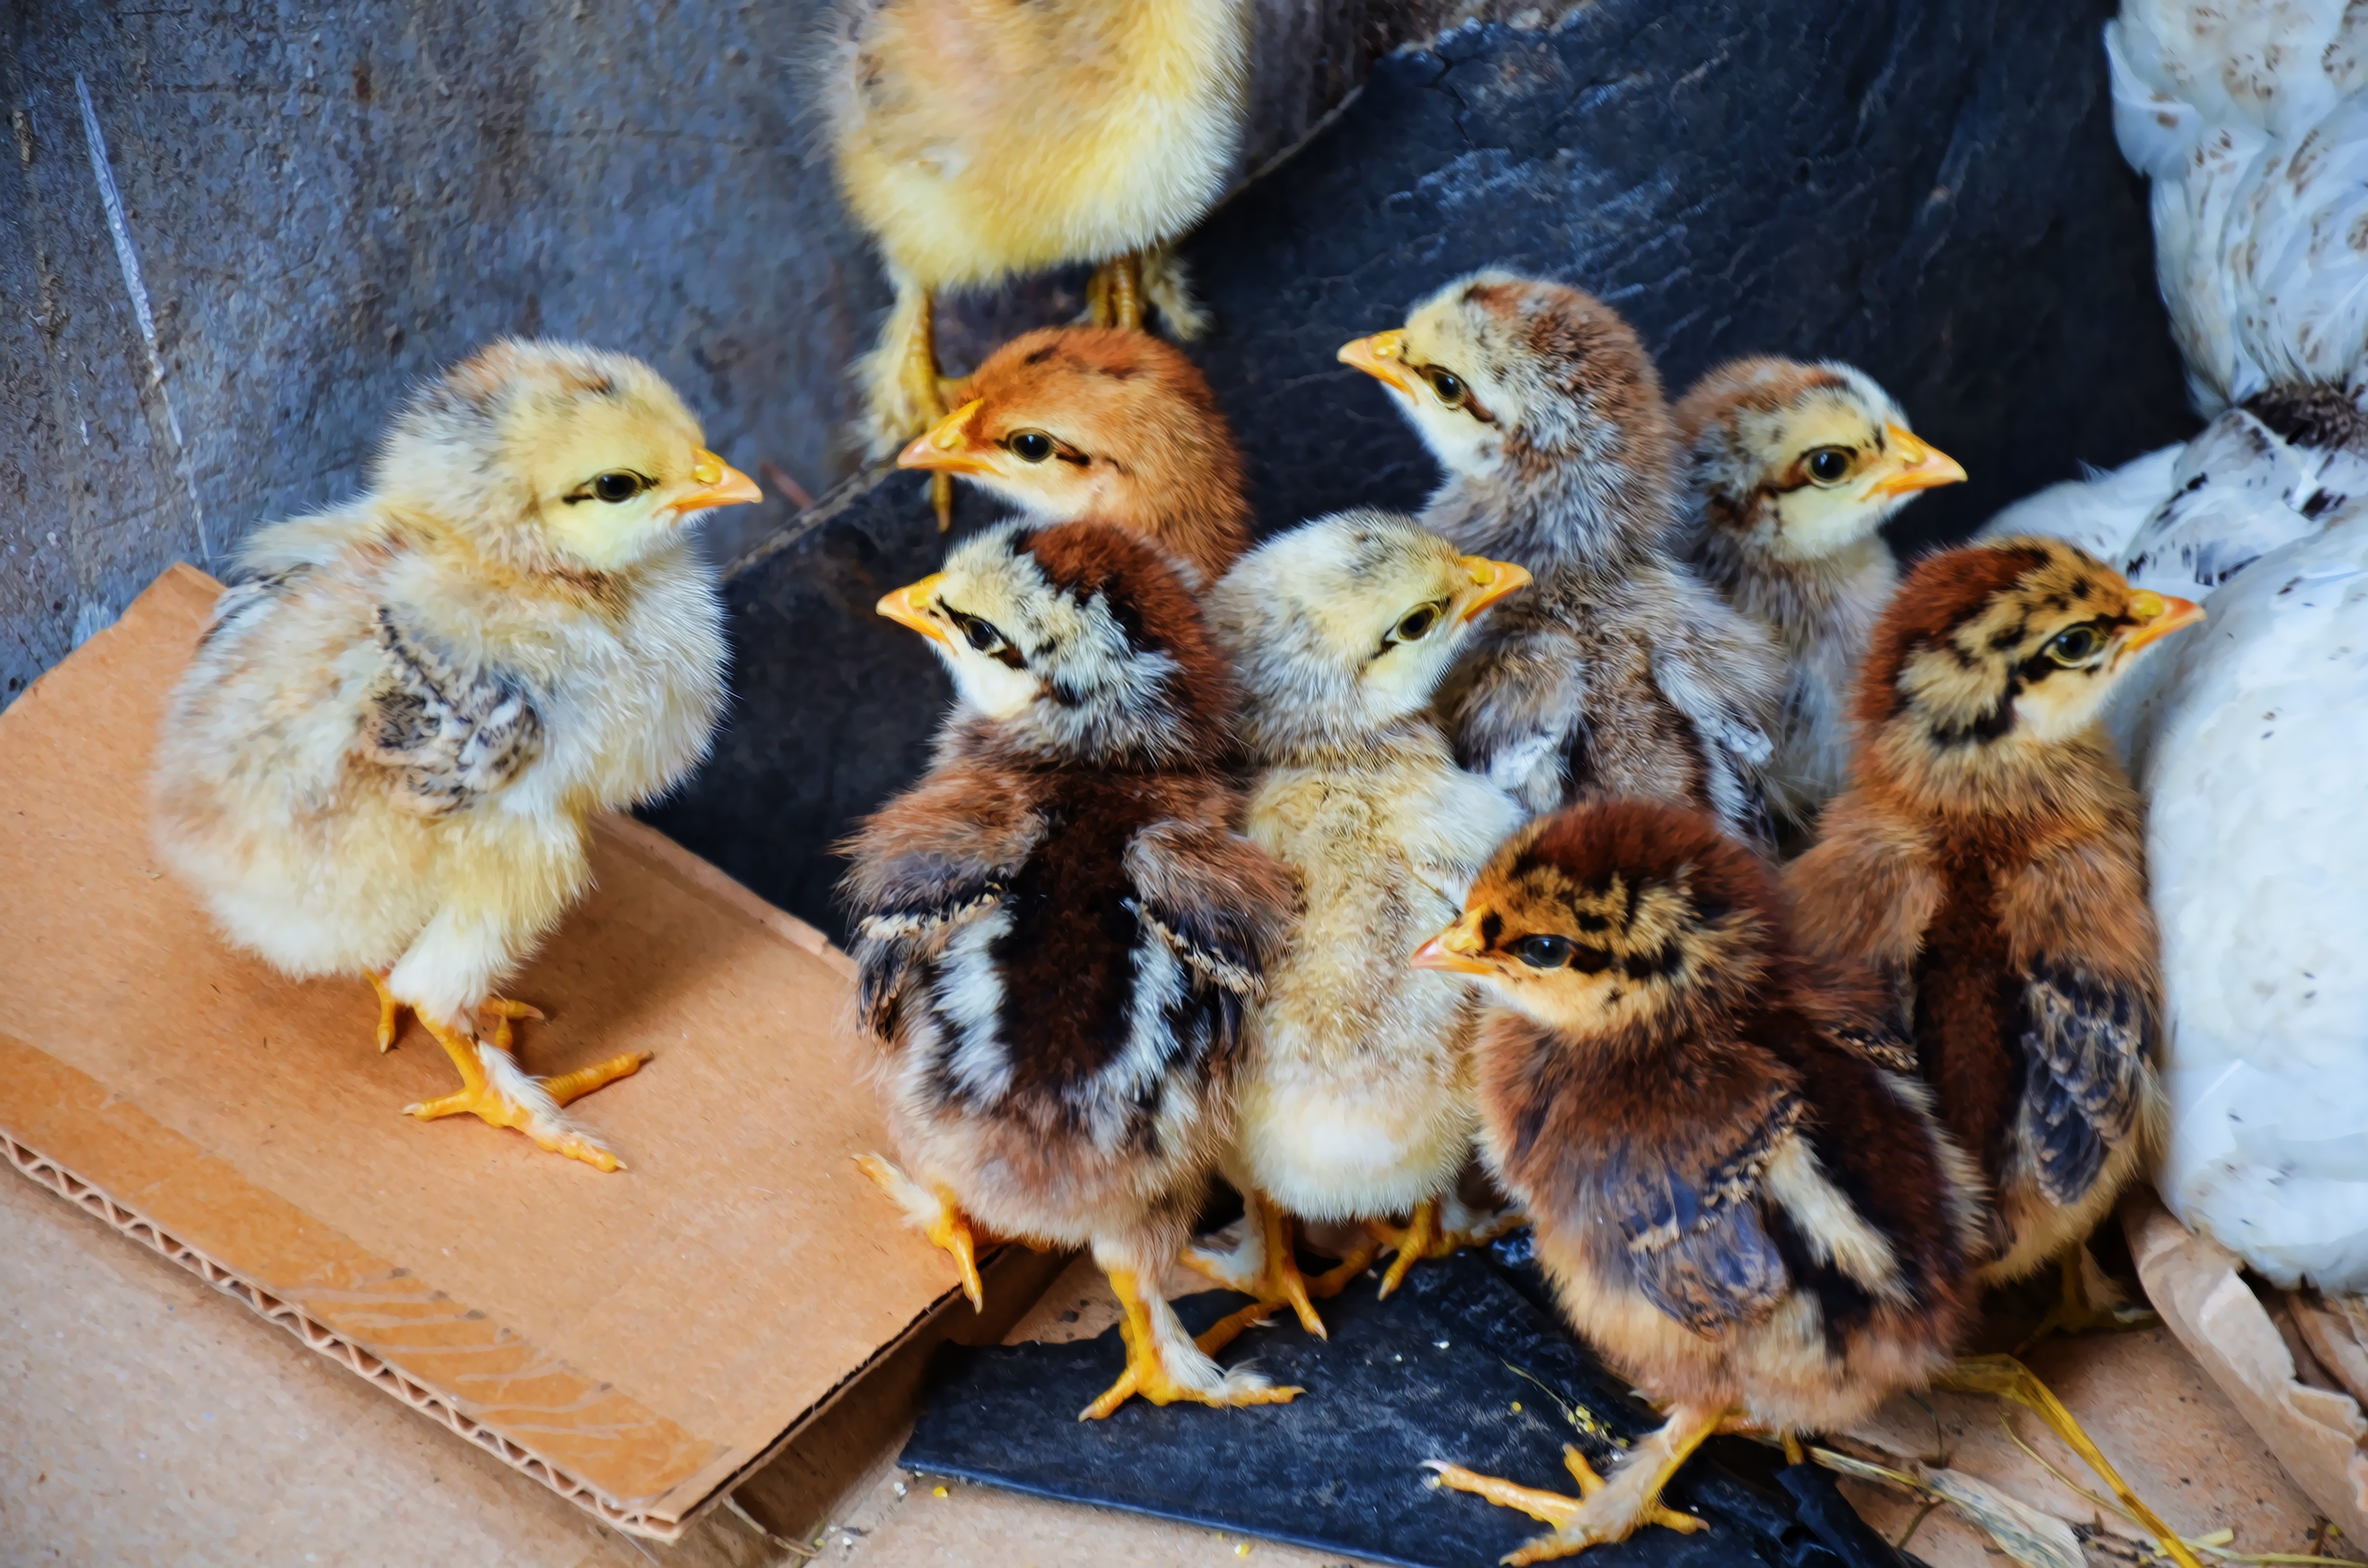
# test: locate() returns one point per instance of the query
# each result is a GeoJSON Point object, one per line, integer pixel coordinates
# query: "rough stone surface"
{"type": "Point", "coordinates": [1928, 189]}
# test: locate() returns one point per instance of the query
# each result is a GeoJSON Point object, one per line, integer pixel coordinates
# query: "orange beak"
{"type": "Point", "coordinates": [2159, 616]}
{"type": "Point", "coordinates": [1496, 578]}
{"type": "Point", "coordinates": [1917, 465]}
{"type": "Point", "coordinates": [910, 604]}
{"type": "Point", "coordinates": [947, 447]}
{"type": "Point", "coordinates": [1382, 357]}
{"type": "Point", "coordinates": [1457, 949]}
{"type": "Point", "coordinates": [721, 484]}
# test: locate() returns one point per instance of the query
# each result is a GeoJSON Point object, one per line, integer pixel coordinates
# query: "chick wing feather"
{"type": "Point", "coordinates": [1697, 1247]}
{"type": "Point", "coordinates": [449, 734]}
{"type": "Point", "coordinates": [2085, 1042]}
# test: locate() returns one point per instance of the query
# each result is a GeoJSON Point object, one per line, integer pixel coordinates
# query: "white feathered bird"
{"type": "Point", "coordinates": [2252, 743]}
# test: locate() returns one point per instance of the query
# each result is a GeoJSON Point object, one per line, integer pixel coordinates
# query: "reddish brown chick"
{"type": "Point", "coordinates": [1078, 422]}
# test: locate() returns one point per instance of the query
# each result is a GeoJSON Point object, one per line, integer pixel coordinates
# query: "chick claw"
{"type": "Point", "coordinates": [936, 1215]}
{"type": "Point", "coordinates": [1146, 1373]}
{"type": "Point", "coordinates": [1423, 1238]}
{"type": "Point", "coordinates": [1574, 1530]}
{"type": "Point", "coordinates": [390, 1011]}
{"type": "Point", "coordinates": [480, 1097]}
{"type": "Point", "coordinates": [1274, 1278]}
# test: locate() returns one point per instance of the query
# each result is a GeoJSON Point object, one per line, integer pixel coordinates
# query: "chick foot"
{"type": "Point", "coordinates": [1264, 1264]}
{"type": "Point", "coordinates": [1115, 293]}
{"type": "Point", "coordinates": [2077, 1309]}
{"type": "Point", "coordinates": [498, 1092]}
{"type": "Point", "coordinates": [1163, 1366]}
{"type": "Point", "coordinates": [924, 392]}
{"type": "Point", "coordinates": [935, 1213]}
{"type": "Point", "coordinates": [2006, 1378]}
{"type": "Point", "coordinates": [1605, 1510]}
{"type": "Point", "coordinates": [390, 1011]}
{"type": "Point", "coordinates": [1438, 1228]}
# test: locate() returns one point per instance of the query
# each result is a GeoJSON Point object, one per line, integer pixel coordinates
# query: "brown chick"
{"type": "Point", "coordinates": [1618, 673]}
{"type": "Point", "coordinates": [1794, 469]}
{"type": "Point", "coordinates": [1740, 1207]}
{"type": "Point", "coordinates": [1070, 423]}
{"type": "Point", "coordinates": [1060, 932]}
{"type": "Point", "coordinates": [1988, 853]}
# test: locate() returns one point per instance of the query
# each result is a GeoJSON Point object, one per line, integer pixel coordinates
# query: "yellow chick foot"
{"type": "Point", "coordinates": [1264, 1264]}
{"type": "Point", "coordinates": [2078, 1310]}
{"type": "Point", "coordinates": [1115, 293]}
{"type": "Point", "coordinates": [498, 1092]}
{"type": "Point", "coordinates": [390, 1011]}
{"type": "Point", "coordinates": [936, 1214]}
{"type": "Point", "coordinates": [1438, 1228]}
{"type": "Point", "coordinates": [1165, 1366]}
{"type": "Point", "coordinates": [1604, 1511]}
{"type": "Point", "coordinates": [923, 391]}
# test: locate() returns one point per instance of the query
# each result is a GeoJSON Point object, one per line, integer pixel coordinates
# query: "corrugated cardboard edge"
{"type": "Point", "coordinates": [2320, 1437]}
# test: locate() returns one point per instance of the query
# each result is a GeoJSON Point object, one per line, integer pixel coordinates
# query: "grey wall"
{"type": "Point", "coordinates": [325, 203]}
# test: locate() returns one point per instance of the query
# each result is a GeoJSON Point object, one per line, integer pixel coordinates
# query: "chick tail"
{"type": "Point", "coordinates": [1168, 286]}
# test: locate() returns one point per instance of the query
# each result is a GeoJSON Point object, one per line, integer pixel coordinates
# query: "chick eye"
{"type": "Point", "coordinates": [1448, 385]}
{"type": "Point", "coordinates": [1416, 624]}
{"type": "Point", "coordinates": [1829, 465]}
{"type": "Point", "coordinates": [981, 634]}
{"type": "Point", "coordinates": [619, 484]}
{"type": "Point", "coordinates": [2077, 646]}
{"type": "Point", "coordinates": [1543, 952]}
{"type": "Point", "coordinates": [1028, 446]}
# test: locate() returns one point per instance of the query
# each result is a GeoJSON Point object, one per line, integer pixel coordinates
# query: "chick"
{"type": "Point", "coordinates": [1059, 930]}
{"type": "Point", "coordinates": [1794, 467]}
{"type": "Point", "coordinates": [1069, 423]}
{"type": "Point", "coordinates": [383, 754]}
{"type": "Point", "coordinates": [976, 138]}
{"type": "Point", "coordinates": [1739, 1207]}
{"type": "Point", "coordinates": [1355, 1102]}
{"type": "Point", "coordinates": [1618, 673]}
{"type": "Point", "coordinates": [1989, 854]}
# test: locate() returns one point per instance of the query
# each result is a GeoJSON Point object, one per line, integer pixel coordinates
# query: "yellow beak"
{"type": "Point", "coordinates": [910, 606]}
{"type": "Point", "coordinates": [1457, 947]}
{"type": "Point", "coordinates": [1915, 464]}
{"type": "Point", "coordinates": [1382, 357]}
{"type": "Point", "coordinates": [1496, 578]}
{"type": "Point", "coordinates": [721, 484]}
{"type": "Point", "coordinates": [947, 447]}
{"type": "Point", "coordinates": [2159, 616]}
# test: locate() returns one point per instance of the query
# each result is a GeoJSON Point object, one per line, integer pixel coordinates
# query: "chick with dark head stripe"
{"type": "Point", "coordinates": [1988, 854]}
{"type": "Point", "coordinates": [1059, 930]}
{"type": "Point", "coordinates": [1618, 673]}
{"type": "Point", "coordinates": [1741, 1206]}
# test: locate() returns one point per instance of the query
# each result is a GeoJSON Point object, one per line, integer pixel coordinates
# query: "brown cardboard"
{"type": "Point", "coordinates": [635, 1341]}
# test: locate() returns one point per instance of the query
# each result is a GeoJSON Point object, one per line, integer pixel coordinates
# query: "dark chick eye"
{"type": "Point", "coordinates": [1448, 385]}
{"type": "Point", "coordinates": [2077, 646]}
{"type": "Point", "coordinates": [1416, 624]}
{"type": "Point", "coordinates": [1543, 952]}
{"type": "Point", "coordinates": [1029, 446]}
{"type": "Point", "coordinates": [981, 634]}
{"type": "Point", "coordinates": [1829, 465]}
{"type": "Point", "coordinates": [617, 485]}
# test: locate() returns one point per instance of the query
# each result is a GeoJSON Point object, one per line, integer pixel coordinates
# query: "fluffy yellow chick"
{"type": "Point", "coordinates": [1355, 1100]}
{"type": "Point", "coordinates": [978, 139]}
{"type": "Point", "coordinates": [382, 758]}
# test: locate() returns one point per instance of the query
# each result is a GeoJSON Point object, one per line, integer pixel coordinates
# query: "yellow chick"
{"type": "Point", "coordinates": [383, 756]}
{"type": "Point", "coordinates": [978, 139]}
{"type": "Point", "coordinates": [1355, 1101]}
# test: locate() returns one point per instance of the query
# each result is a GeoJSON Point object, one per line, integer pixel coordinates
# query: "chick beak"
{"type": "Point", "coordinates": [908, 606]}
{"type": "Point", "coordinates": [1915, 464]}
{"type": "Point", "coordinates": [947, 448]}
{"type": "Point", "coordinates": [719, 483]}
{"type": "Point", "coordinates": [2158, 616]}
{"type": "Point", "coordinates": [1457, 947]}
{"type": "Point", "coordinates": [1382, 357]}
{"type": "Point", "coordinates": [1496, 578]}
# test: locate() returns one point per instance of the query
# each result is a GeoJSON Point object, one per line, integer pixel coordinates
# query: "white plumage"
{"type": "Point", "coordinates": [2252, 743]}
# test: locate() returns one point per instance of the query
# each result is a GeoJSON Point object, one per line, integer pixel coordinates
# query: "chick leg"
{"type": "Point", "coordinates": [936, 1215]}
{"type": "Point", "coordinates": [1439, 1227]}
{"type": "Point", "coordinates": [1115, 293]}
{"type": "Point", "coordinates": [390, 1011]}
{"type": "Point", "coordinates": [1605, 1510]}
{"type": "Point", "coordinates": [1264, 1264]}
{"type": "Point", "coordinates": [2008, 1379]}
{"type": "Point", "coordinates": [498, 1092]}
{"type": "Point", "coordinates": [2077, 1310]}
{"type": "Point", "coordinates": [924, 392]}
{"type": "Point", "coordinates": [1164, 1364]}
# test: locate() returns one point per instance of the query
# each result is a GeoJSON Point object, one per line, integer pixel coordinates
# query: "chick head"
{"type": "Point", "coordinates": [544, 455]}
{"type": "Point", "coordinates": [1076, 422]}
{"type": "Point", "coordinates": [1992, 650]}
{"type": "Point", "coordinates": [1345, 624]}
{"type": "Point", "coordinates": [1517, 376]}
{"type": "Point", "coordinates": [1617, 920]}
{"type": "Point", "coordinates": [1079, 641]}
{"type": "Point", "coordinates": [1803, 460]}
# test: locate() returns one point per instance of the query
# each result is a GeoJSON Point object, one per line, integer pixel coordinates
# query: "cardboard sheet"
{"type": "Point", "coordinates": [635, 1341]}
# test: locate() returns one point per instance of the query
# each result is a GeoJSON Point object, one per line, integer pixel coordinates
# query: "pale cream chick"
{"type": "Point", "coordinates": [1355, 1103]}
{"type": "Point", "coordinates": [383, 756]}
